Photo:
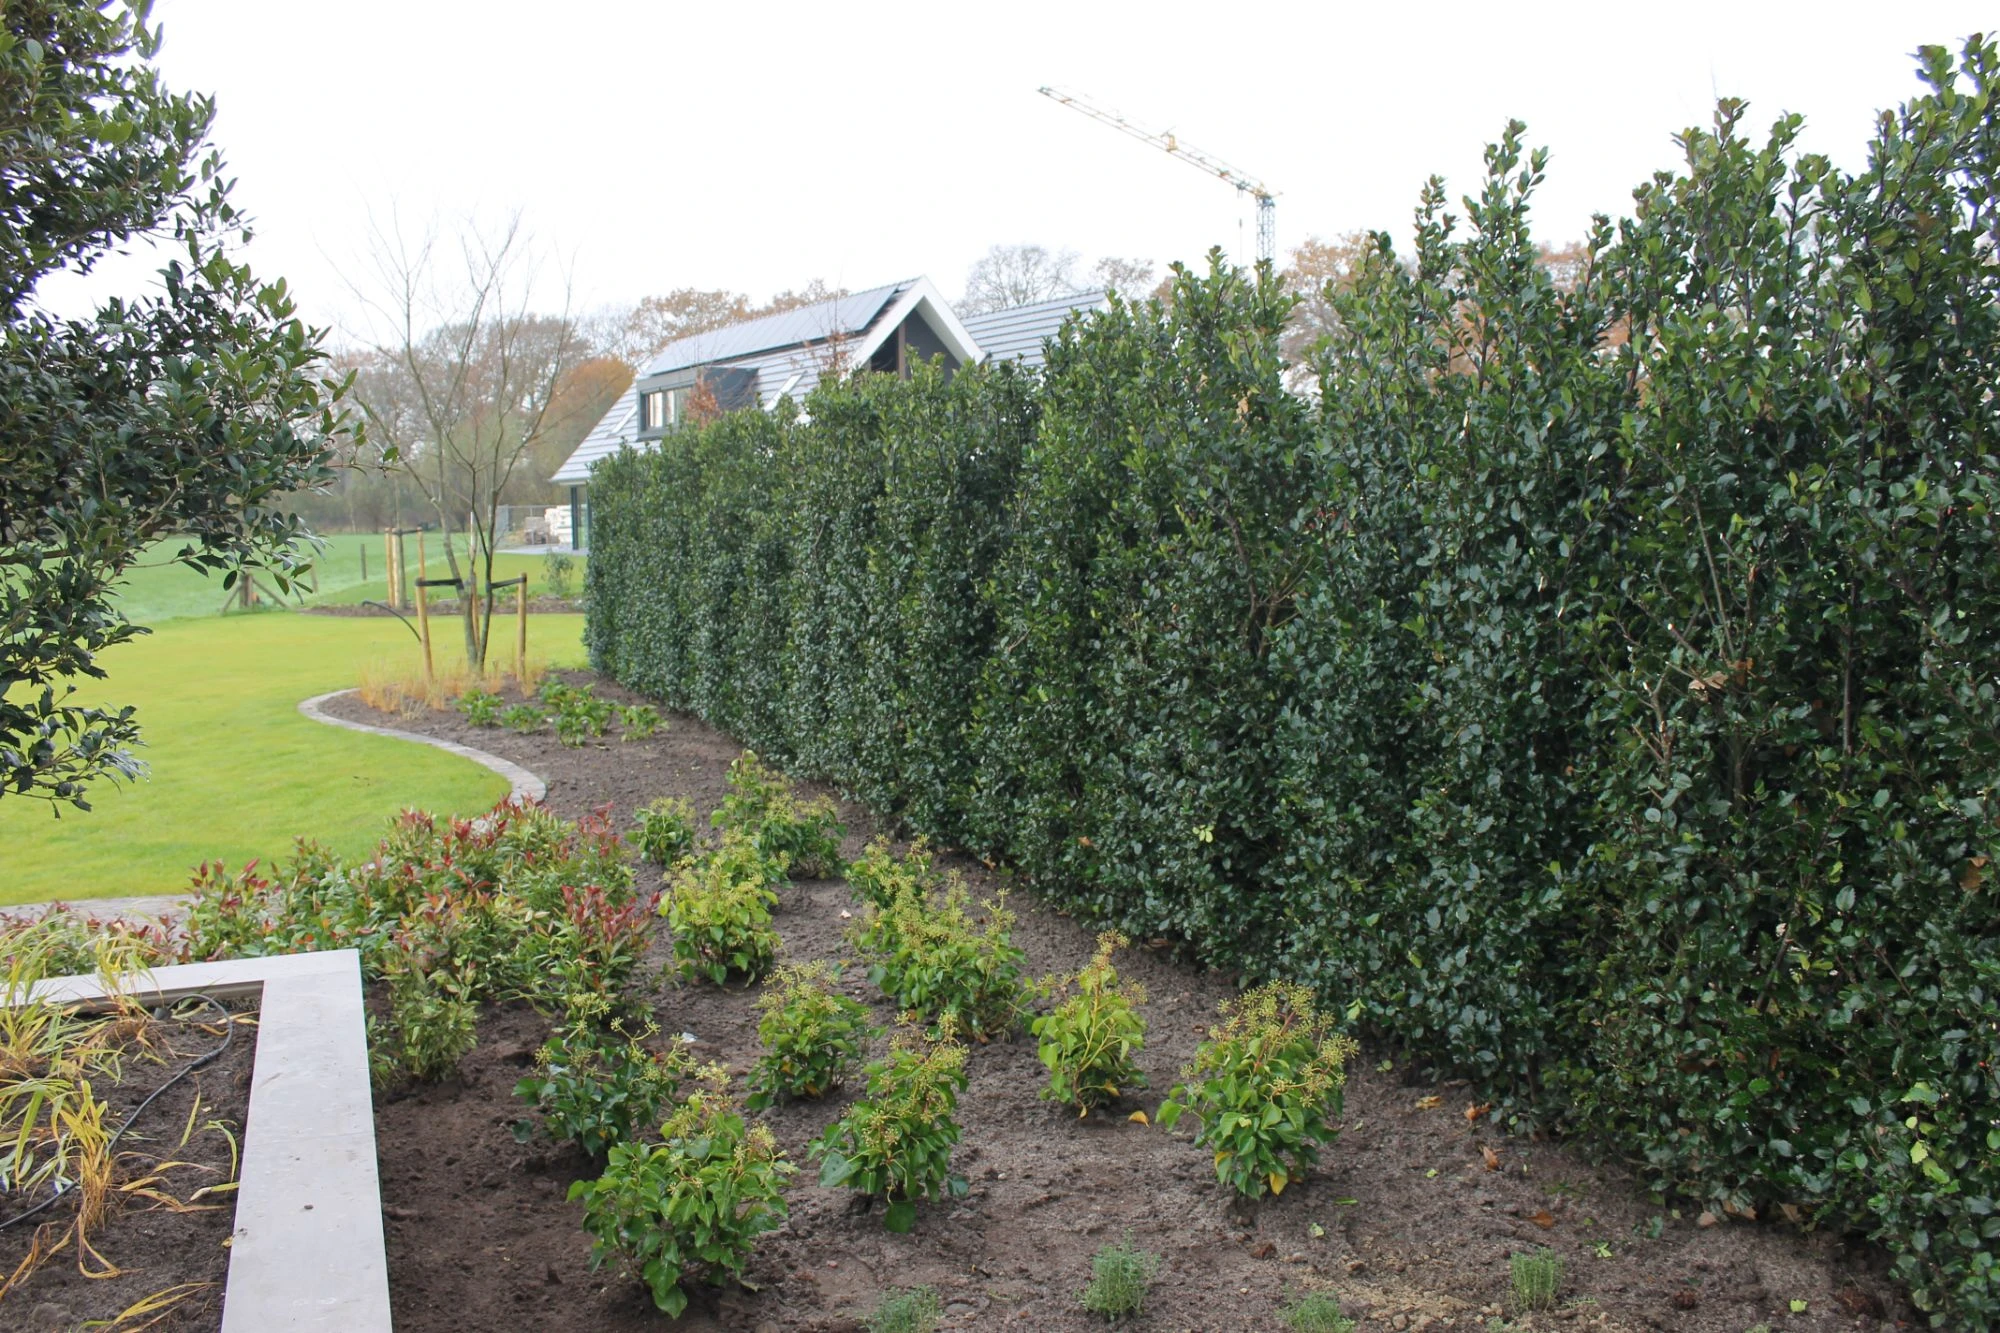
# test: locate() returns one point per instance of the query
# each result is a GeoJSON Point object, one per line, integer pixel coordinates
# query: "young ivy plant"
{"type": "Point", "coordinates": [896, 1141]}
{"type": "Point", "coordinates": [1264, 1088]}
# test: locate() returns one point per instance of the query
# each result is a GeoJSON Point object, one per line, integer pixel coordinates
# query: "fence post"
{"type": "Point", "coordinates": [521, 634]}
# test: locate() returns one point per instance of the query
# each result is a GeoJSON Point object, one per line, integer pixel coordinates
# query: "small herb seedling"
{"type": "Point", "coordinates": [1119, 1277]}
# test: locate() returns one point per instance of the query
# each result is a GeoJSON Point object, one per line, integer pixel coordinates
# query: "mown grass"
{"type": "Point", "coordinates": [236, 771]}
{"type": "Point", "coordinates": [159, 590]}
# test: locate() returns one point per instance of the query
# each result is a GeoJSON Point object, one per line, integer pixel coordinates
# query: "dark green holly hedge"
{"type": "Point", "coordinates": [1595, 678]}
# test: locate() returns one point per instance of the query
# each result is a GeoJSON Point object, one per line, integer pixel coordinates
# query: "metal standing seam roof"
{"type": "Point", "coordinates": [789, 351]}
{"type": "Point", "coordinates": [1021, 333]}
{"type": "Point", "coordinates": [839, 317]}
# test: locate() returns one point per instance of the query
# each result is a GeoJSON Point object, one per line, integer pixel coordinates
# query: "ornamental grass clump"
{"type": "Point", "coordinates": [895, 1143]}
{"type": "Point", "coordinates": [1317, 1312]}
{"type": "Point", "coordinates": [813, 1036]}
{"type": "Point", "coordinates": [1264, 1088]}
{"type": "Point", "coordinates": [666, 830]}
{"type": "Point", "coordinates": [928, 955]}
{"type": "Point", "coordinates": [1090, 1040]}
{"type": "Point", "coordinates": [762, 804]}
{"type": "Point", "coordinates": [906, 1310]}
{"type": "Point", "coordinates": [1119, 1277]}
{"type": "Point", "coordinates": [1537, 1279]}
{"type": "Point", "coordinates": [693, 1203]}
{"type": "Point", "coordinates": [719, 909]}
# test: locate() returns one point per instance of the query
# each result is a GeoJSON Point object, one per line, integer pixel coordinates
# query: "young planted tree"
{"type": "Point", "coordinates": [190, 412]}
{"type": "Point", "coordinates": [464, 381]}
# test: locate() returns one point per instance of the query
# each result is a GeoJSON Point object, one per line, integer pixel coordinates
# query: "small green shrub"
{"type": "Point", "coordinates": [482, 708]}
{"type": "Point", "coordinates": [1538, 1279]}
{"type": "Point", "coordinates": [906, 1310]}
{"type": "Point", "coordinates": [433, 1028]}
{"type": "Point", "coordinates": [559, 573]}
{"type": "Point", "coordinates": [581, 716]}
{"type": "Point", "coordinates": [719, 909]}
{"type": "Point", "coordinates": [524, 718]}
{"type": "Point", "coordinates": [698, 1200]}
{"type": "Point", "coordinates": [879, 877]}
{"type": "Point", "coordinates": [596, 1088]}
{"type": "Point", "coordinates": [813, 1035]}
{"type": "Point", "coordinates": [1317, 1313]}
{"type": "Point", "coordinates": [762, 804]}
{"type": "Point", "coordinates": [638, 722]}
{"type": "Point", "coordinates": [1119, 1277]}
{"type": "Point", "coordinates": [927, 955]}
{"type": "Point", "coordinates": [667, 830]}
{"type": "Point", "coordinates": [895, 1143]}
{"type": "Point", "coordinates": [1264, 1087]}
{"type": "Point", "coordinates": [1089, 1041]}
{"type": "Point", "coordinates": [555, 692]}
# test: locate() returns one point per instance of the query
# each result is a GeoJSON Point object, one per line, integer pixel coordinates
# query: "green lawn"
{"type": "Point", "coordinates": [160, 590]}
{"type": "Point", "coordinates": [236, 771]}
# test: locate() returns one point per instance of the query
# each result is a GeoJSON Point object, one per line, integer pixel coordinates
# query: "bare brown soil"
{"type": "Point", "coordinates": [1408, 1221]}
{"type": "Point", "coordinates": [152, 1247]}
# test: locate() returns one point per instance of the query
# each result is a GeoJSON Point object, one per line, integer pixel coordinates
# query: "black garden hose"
{"type": "Point", "coordinates": [207, 1058]}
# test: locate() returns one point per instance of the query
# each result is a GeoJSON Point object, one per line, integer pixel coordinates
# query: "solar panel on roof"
{"type": "Point", "coordinates": [836, 318]}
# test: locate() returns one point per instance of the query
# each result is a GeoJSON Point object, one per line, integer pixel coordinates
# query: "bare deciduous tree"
{"type": "Point", "coordinates": [1130, 278]}
{"type": "Point", "coordinates": [1014, 275]}
{"type": "Point", "coordinates": [1011, 275]}
{"type": "Point", "coordinates": [460, 380]}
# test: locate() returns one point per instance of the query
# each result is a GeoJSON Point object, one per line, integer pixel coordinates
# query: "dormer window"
{"type": "Point", "coordinates": [656, 410]}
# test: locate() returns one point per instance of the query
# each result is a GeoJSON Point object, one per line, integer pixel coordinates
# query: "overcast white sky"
{"type": "Point", "coordinates": [756, 147]}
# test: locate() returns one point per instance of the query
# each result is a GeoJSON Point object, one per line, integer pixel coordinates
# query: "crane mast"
{"type": "Point", "coordinates": [1267, 200]}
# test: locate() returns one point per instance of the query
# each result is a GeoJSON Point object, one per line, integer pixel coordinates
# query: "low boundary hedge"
{"type": "Point", "coordinates": [1595, 677]}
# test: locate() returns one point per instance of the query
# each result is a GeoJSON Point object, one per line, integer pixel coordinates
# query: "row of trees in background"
{"type": "Point", "coordinates": [475, 393]}
{"type": "Point", "coordinates": [1594, 679]}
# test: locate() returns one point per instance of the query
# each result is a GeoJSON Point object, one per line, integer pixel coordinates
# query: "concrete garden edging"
{"type": "Point", "coordinates": [525, 783]}
{"type": "Point", "coordinates": [307, 1251]}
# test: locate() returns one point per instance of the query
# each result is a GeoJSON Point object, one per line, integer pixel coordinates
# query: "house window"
{"type": "Point", "coordinates": [662, 409]}
{"type": "Point", "coordinates": [654, 410]}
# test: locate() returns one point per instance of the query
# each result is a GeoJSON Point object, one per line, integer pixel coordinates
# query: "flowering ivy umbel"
{"type": "Point", "coordinates": [1264, 1087]}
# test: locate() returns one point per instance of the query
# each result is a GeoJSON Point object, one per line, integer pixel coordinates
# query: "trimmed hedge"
{"type": "Point", "coordinates": [1596, 679]}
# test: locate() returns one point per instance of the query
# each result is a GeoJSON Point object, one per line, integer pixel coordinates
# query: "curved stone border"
{"type": "Point", "coordinates": [524, 783]}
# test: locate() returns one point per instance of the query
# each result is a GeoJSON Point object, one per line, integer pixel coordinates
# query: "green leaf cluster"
{"type": "Point", "coordinates": [1265, 1087]}
{"type": "Point", "coordinates": [813, 1036]}
{"type": "Point", "coordinates": [1090, 1040]}
{"type": "Point", "coordinates": [482, 708]}
{"type": "Point", "coordinates": [718, 907]}
{"type": "Point", "coordinates": [667, 830]}
{"type": "Point", "coordinates": [596, 1088]}
{"type": "Point", "coordinates": [895, 1143]}
{"type": "Point", "coordinates": [693, 1203]}
{"type": "Point", "coordinates": [453, 913]}
{"type": "Point", "coordinates": [929, 956]}
{"type": "Point", "coordinates": [761, 804]}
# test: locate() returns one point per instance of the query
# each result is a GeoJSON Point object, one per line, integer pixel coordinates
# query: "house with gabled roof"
{"type": "Point", "coordinates": [759, 362]}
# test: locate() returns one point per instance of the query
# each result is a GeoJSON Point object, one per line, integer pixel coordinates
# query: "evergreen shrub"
{"type": "Point", "coordinates": [1591, 676]}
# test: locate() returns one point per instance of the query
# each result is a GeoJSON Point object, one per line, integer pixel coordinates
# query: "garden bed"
{"type": "Point", "coordinates": [171, 1255]}
{"type": "Point", "coordinates": [1410, 1220]}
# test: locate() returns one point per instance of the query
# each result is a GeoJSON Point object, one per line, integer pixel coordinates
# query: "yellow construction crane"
{"type": "Point", "coordinates": [1267, 199]}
